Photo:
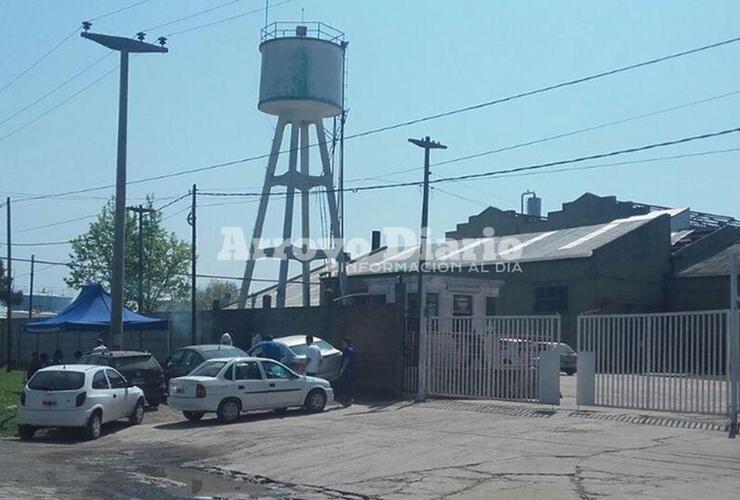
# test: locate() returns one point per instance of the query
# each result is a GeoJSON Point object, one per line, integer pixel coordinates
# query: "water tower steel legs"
{"type": "Point", "coordinates": [305, 221]}
{"type": "Point", "coordinates": [302, 181]}
{"type": "Point", "coordinates": [262, 210]}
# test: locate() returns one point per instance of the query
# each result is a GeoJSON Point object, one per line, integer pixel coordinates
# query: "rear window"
{"type": "Point", "coordinates": [92, 359]}
{"type": "Point", "coordinates": [133, 362]}
{"type": "Point", "coordinates": [300, 349]}
{"type": "Point", "coordinates": [57, 381]}
{"type": "Point", "coordinates": [208, 369]}
{"type": "Point", "coordinates": [224, 352]}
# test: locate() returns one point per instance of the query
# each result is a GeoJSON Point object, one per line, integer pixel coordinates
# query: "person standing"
{"type": "Point", "coordinates": [58, 358]}
{"type": "Point", "coordinates": [346, 374]}
{"type": "Point", "coordinates": [256, 338]}
{"type": "Point", "coordinates": [270, 349]}
{"type": "Point", "coordinates": [34, 366]}
{"type": "Point", "coordinates": [313, 357]}
{"type": "Point", "coordinates": [99, 346]}
{"type": "Point", "coordinates": [226, 339]}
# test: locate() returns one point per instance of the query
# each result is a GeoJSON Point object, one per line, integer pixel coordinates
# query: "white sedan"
{"type": "Point", "coordinates": [229, 386]}
{"type": "Point", "coordinates": [83, 396]}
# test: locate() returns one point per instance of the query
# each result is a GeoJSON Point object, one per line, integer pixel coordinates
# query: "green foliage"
{"type": "Point", "coordinates": [225, 292]}
{"type": "Point", "coordinates": [11, 385]}
{"type": "Point", "coordinates": [16, 297]}
{"type": "Point", "coordinates": [166, 259]}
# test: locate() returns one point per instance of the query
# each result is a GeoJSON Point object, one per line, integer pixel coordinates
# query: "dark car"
{"type": "Point", "coordinates": [184, 360]}
{"type": "Point", "coordinates": [139, 367]}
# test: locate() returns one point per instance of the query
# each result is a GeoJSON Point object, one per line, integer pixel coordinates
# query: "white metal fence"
{"type": "Point", "coordinates": [676, 361]}
{"type": "Point", "coordinates": [493, 357]}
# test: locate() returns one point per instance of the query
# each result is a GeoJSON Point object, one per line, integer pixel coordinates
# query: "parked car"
{"type": "Point", "coordinates": [293, 350]}
{"type": "Point", "coordinates": [186, 359]}
{"type": "Point", "coordinates": [568, 358]}
{"type": "Point", "coordinates": [82, 396]}
{"type": "Point", "coordinates": [228, 387]}
{"type": "Point", "coordinates": [139, 367]}
{"type": "Point", "coordinates": [521, 352]}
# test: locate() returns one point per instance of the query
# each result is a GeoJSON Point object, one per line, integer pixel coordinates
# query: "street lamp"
{"type": "Point", "coordinates": [427, 144]}
{"type": "Point", "coordinates": [125, 46]}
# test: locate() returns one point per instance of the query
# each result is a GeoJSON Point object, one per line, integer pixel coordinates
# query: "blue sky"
{"type": "Point", "coordinates": [197, 106]}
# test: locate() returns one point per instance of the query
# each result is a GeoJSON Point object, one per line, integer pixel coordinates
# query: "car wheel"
{"type": "Point", "coordinates": [93, 427]}
{"type": "Point", "coordinates": [315, 401]}
{"type": "Point", "coordinates": [26, 432]}
{"type": "Point", "coordinates": [138, 414]}
{"type": "Point", "coordinates": [193, 416]}
{"type": "Point", "coordinates": [228, 410]}
{"type": "Point", "coordinates": [569, 371]}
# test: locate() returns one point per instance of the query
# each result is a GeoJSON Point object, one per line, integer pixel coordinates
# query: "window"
{"type": "Point", "coordinates": [57, 381]}
{"type": "Point", "coordinates": [116, 380]}
{"type": "Point", "coordinates": [432, 305]}
{"type": "Point", "coordinates": [229, 373]}
{"type": "Point", "coordinates": [99, 381]}
{"type": "Point", "coordinates": [490, 306]}
{"type": "Point", "coordinates": [223, 352]}
{"type": "Point", "coordinates": [247, 370]}
{"type": "Point", "coordinates": [551, 299]}
{"type": "Point", "coordinates": [462, 305]}
{"type": "Point", "coordinates": [191, 359]}
{"type": "Point", "coordinates": [208, 369]}
{"type": "Point", "coordinates": [177, 356]}
{"type": "Point", "coordinates": [275, 371]}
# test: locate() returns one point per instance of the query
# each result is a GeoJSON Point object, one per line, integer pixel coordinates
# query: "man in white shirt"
{"type": "Point", "coordinates": [99, 346]}
{"type": "Point", "coordinates": [313, 357]}
{"type": "Point", "coordinates": [226, 339]}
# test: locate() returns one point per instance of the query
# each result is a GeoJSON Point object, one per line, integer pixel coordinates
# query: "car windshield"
{"type": "Point", "coordinates": [300, 349]}
{"type": "Point", "coordinates": [224, 352]}
{"type": "Point", "coordinates": [92, 359]}
{"type": "Point", "coordinates": [57, 380]}
{"type": "Point", "coordinates": [132, 362]}
{"type": "Point", "coordinates": [208, 369]}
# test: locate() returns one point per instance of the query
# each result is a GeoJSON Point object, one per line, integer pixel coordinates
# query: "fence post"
{"type": "Point", "coordinates": [733, 333]}
{"type": "Point", "coordinates": [421, 377]}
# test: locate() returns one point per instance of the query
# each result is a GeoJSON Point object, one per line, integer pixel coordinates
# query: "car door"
{"type": "Point", "coordinates": [118, 391]}
{"type": "Point", "coordinates": [284, 387]}
{"type": "Point", "coordinates": [251, 385]}
{"type": "Point", "coordinates": [101, 393]}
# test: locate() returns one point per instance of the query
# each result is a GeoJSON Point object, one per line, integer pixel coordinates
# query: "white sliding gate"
{"type": "Point", "coordinates": [492, 357]}
{"type": "Point", "coordinates": [676, 361]}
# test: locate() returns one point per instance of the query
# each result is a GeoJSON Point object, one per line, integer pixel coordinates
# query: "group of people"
{"type": "Point", "coordinates": [42, 361]}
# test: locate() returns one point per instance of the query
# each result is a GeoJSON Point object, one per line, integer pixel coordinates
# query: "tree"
{"type": "Point", "coordinates": [166, 259]}
{"type": "Point", "coordinates": [225, 292]}
{"type": "Point", "coordinates": [16, 297]}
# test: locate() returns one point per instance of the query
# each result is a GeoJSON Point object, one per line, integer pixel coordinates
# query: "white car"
{"type": "Point", "coordinates": [293, 354]}
{"type": "Point", "coordinates": [83, 396]}
{"type": "Point", "coordinates": [229, 386]}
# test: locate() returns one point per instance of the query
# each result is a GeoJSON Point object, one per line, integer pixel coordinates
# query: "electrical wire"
{"type": "Point", "coordinates": [366, 133]}
{"type": "Point", "coordinates": [190, 16]}
{"type": "Point", "coordinates": [117, 11]}
{"type": "Point", "coordinates": [230, 18]}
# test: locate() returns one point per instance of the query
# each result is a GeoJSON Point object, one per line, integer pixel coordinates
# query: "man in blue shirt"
{"type": "Point", "coordinates": [346, 374]}
{"type": "Point", "coordinates": [270, 349]}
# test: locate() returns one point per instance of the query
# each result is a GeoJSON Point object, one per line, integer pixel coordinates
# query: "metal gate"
{"type": "Point", "coordinates": [676, 361]}
{"type": "Point", "coordinates": [493, 357]}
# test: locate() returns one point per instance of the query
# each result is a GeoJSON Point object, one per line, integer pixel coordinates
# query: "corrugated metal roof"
{"type": "Point", "coordinates": [717, 265]}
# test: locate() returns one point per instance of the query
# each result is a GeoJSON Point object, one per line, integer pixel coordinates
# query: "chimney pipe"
{"type": "Point", "coordinates": [375, 241]}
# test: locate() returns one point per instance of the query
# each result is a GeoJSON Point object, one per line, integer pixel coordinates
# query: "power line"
{"type": "Point", "coordinates": [557, 136]}
{"type": "Point", "coordinates": [38, 61]}
{"type": "Point", "coordinates": [230, 18]}
{"type": "Point", "coordinates": [117, 11]}
{"type": "Point", "coordinates": [190, 16]}
{"type": "Point", "coordinates": [411, 122]}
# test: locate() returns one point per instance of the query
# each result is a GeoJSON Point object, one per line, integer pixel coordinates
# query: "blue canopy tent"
{"type": "Point", "coordinates": [90, 311]}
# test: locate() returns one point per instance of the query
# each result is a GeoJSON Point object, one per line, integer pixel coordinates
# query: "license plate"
{"type": "Point", "coordinates": [47, 402]}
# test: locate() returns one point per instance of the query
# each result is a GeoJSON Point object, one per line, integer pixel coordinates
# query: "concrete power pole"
{"type": "Point", "coordinates": [427, 144]}
{"type": "Point", "coordinates": [140, 211]}
{"type": "Point", "coordinates": [9, 286]}
{"type": "Point", "coordinates": [192, 220]}
{"type": "Point", "coordinates": [125, 46]}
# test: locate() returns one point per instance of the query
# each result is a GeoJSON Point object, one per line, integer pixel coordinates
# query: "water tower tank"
{"type": "Point", "coordinates": [302, 70]}
{"type": "Point", "coordinates": [534, 206]}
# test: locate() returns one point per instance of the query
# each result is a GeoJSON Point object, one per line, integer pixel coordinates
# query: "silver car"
{"type": "Point", "coordinates": [293, 354]}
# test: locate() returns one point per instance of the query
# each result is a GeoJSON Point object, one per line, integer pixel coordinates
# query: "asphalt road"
{"type": "Point", "coordinates": [438, 449]}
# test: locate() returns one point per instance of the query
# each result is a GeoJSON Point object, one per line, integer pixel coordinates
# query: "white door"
{"type": "Point", "coordinates": [284, 388]}
{"type": "Point", "coordinates": [119, 392]}
{"type": "Point", "coordinates": [250, 384]}
{"type": "Point", "coordinates": [100, 392]}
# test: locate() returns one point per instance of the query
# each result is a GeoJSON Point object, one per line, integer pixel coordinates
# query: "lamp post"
{"type": "Point", "coordinates": [427, 144]}
{"type": "Point", "coordinates": [125, 46]}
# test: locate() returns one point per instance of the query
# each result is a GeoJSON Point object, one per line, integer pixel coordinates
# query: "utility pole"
{"type": "Point", "coordinates": [192, 220]}
{"type": "Point", "coordinates": [734, 347]}
{"type": "Point", "coordinates": [9, 285]}
{"type": "Point", "coordinates": [125, 46]}
{"type": "Point", "coordinates": [140, 211]}
{"type": "Point", "coordinates": [428, 145]}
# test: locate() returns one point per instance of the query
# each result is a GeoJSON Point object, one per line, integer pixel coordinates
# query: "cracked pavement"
{"type": "Point", "coordinates": [434, 450]}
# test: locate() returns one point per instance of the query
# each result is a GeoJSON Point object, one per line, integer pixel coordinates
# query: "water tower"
{"type": "Point", "coordinates": [302, 82]}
